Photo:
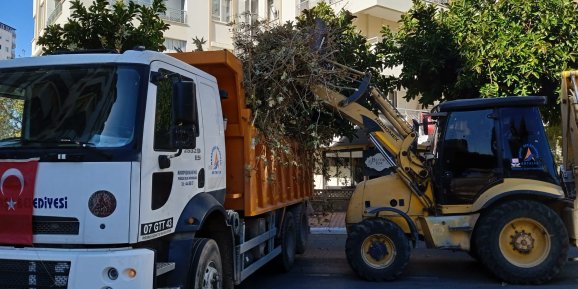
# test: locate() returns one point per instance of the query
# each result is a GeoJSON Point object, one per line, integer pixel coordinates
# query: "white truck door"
{"type": "Point", "coordinates": [166, 191]}
{"type": "Point", "coordinates": [214, 136]}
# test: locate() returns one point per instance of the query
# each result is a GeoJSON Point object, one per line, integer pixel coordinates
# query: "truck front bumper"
{"type": "Point", "coordinates": [76, 268]}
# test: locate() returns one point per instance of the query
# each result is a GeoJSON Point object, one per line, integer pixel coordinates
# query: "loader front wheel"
{"type": "Point", "coordinates": [377, 249]}
{"type": "Point", "coordinates": [522, 242]}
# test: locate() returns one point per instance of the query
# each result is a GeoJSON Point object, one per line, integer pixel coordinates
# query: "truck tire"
{"type": "Point", "coordinates": [303, 230]}
{"type": "Point", "coordinates": [206, 269]}
{"type": "Point", "coordinates": [377, 249]}
{"type": "Point", "coordinates": [288, 239]}
{"type": "Point", "coordinates": [522, 242]}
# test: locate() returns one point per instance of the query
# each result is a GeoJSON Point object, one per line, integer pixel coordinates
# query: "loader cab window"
{"type": "Point", "coordinates": [468, 156]}
{"type": "Point", "coordinates": [526, 152]}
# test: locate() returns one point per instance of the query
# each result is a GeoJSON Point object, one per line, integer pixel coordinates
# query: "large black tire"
{"type": "Point", "coordinates": [288, 239]}
{"type": "Point", "coordinates": [377, 249]}
{"type": "Point", "coordinates": [206, 269]}
{"type": "Point", "coordinates": [522, 242]}
{"type": "Point", "coordinates": [303, 228]}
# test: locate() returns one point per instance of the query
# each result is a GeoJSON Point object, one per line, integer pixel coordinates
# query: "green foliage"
{"type": "Point", "coordinates": [103, 26]}
{"type": "Point", "coordinates": [485, 48]}
{"type": "Point", "coordinates": [282, 62]}
{"type": "Point", "coordinates": [11, 111]}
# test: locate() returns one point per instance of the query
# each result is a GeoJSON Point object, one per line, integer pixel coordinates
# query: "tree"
{"type": "Point", "coordinates": [282, 62]}
{"type": "Point", "coordinates": [485, 48]}
{"type": "Point", "coordinates": [102, 26]}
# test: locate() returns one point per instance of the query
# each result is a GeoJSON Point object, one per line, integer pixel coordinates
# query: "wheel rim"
{"type": "Point", "coordinates": [525, 242]}
{"type": "Point", "coordinates": [378, 251]}
{"type": "Point", "coordinates": [211, 277]}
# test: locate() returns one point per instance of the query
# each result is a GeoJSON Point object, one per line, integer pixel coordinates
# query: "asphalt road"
{"type": "Point", "coordinates": [324, 266]}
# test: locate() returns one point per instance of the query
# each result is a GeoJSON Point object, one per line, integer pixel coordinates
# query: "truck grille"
{"type": "Point", "coordinates": [42, 225]}
{"type": "Point", "coordinates": [20, 274]}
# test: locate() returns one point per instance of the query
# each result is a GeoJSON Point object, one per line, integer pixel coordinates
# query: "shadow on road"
{"type": "Point", "coordinates": [324, 266]}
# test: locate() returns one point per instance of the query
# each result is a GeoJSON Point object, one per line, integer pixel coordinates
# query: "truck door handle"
{"type": "Point", "coordinates": [201, 178]}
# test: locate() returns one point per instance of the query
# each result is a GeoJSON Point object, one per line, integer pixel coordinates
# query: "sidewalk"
{"type": "Point", "coordinates": [327, 223]}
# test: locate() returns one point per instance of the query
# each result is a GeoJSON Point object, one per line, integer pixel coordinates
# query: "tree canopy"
{"type": "Point", "coordinates": [484, 48]}
{"type": "Point", "coordinates": [281, 62]}
{"type": "Point", "coordinates": [118, 26]}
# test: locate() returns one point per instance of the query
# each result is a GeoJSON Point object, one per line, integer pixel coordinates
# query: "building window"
{"type": "Point", "coordinates": [392, 97]}
{"type": "Point", "coordinates": [273, 10]}
{"type": "Point", "coordinates": [174, 45]}
{"type": "Point", "coordinates": [221, 10]}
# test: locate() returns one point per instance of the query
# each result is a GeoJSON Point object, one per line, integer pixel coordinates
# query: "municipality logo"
{"type": "Point", "coordinates": [216, 161]}
{"type": "Point", "coordinates": [528, 158]}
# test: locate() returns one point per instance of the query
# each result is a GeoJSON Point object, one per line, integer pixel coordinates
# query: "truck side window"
{"type": "Point", "coordinates": [163, 111]}
{"type": "Point", "coordinates": [164, 108]}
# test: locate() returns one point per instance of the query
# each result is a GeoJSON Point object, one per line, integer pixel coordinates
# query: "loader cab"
{"type": "Point", "coordinates": [481, 142]}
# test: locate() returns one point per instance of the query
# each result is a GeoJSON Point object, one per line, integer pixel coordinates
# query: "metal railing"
{"type": "Point", "coordinates": [439, 2]}
{"type": "Point", "coordinates": [55, 13]}
{"type": "Point", "coordinates": [311, 3]}
{"type": "Point", "coordinates": [410, 114]}
{"type": "Point", "coordinates": [174, 15]}
{"type": "Point", "coordinates": [331, 200]}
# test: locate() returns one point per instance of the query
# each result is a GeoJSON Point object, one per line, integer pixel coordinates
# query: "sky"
{"type": "Point", "coordinates": [18, 14]}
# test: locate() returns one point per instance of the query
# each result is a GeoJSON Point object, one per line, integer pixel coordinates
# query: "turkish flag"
{"type": "Point", "coordinates": [17, 179]}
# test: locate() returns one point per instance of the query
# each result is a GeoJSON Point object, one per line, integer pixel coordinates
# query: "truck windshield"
{"type": "Point", "coordinates": [86, 105]}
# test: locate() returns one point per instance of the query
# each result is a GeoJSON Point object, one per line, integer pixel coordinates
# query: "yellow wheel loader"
{"type": "Point", "coordinates": [487, 185]}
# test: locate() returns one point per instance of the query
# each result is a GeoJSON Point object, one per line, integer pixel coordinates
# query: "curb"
{"type": "Point", "coordinates": [329, 230]}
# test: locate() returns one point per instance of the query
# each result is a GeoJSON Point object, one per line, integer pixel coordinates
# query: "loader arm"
{"type": "Point", "coordinates": [394, 139]}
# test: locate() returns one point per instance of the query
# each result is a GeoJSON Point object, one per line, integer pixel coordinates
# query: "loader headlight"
{"type": "Point", "coordinates": [102, 204]}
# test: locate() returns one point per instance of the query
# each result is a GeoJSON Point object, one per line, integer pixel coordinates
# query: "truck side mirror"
{"type": "Point", "coordinates": [185, 103]}
{"type": "Point", "coordinates": [185, 115]}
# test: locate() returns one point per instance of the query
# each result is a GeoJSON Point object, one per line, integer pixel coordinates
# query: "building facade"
{"type": "Point", "coordinates": [7, 41]}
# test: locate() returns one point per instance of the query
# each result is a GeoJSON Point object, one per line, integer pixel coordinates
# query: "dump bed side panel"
{"type": "Point", "coordinates": [255, 182]}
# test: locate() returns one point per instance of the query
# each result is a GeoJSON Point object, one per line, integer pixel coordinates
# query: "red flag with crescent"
{"type": "Point", "coordinates": [17, 180]}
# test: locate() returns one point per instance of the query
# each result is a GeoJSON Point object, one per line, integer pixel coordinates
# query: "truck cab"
{"type": "Point", "coordinates": [116, 166]}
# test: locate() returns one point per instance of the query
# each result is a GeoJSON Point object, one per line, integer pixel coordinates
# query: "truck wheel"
{"type": "Point", "coordinates": [206, 270]}
{"type": "Point", "coordinates": [377, 249]}
{"type": "Point", "coordinates": [288, 239]}
{"type": "Point", "coordinates": [303, 230]}
{"type": "Point", "coordinates": [522, 242]}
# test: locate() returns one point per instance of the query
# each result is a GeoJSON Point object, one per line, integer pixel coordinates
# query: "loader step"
{"type": "Point", "coordinates": [163, 268]}
{"type": "Point", "coordinates": [461, 228]}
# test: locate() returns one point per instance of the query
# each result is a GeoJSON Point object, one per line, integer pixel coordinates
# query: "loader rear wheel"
{"type": "Point", "coordinates": [377, 250]}
{"type": "Point", "coordinates": [206, 271]}
{"type": "Point", "coordinates": [522, 242]}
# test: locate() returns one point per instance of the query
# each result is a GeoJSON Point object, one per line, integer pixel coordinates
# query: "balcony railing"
{"type": "Point", "coordinates": [311, 3]}
{"type": "Point", "coordinates": [174, 15]}
{"type": "Point", "coordinates": [442, 3]}
{"type": "Point", "coordinates": [55, 13]}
